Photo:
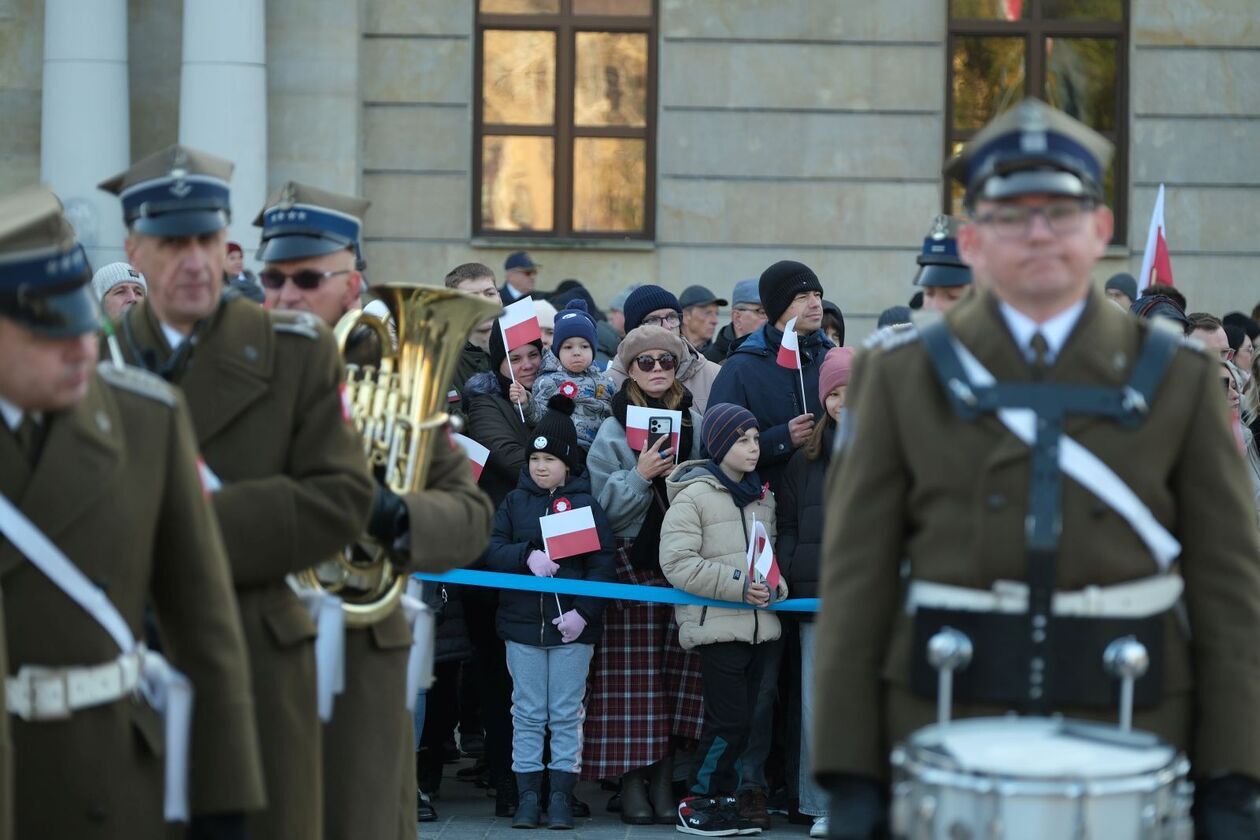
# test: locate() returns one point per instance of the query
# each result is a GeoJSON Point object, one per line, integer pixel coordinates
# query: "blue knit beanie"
{"type": "Point", "coordinates": [573, 322]}
{"type": "Point", "coordinates": [725, 423]}
{"type": "Point", "coordinates": [645, 300]}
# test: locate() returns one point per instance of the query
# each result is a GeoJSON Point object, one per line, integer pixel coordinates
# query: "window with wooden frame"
{"type": "Point", "coordinates": [565, 119]}
{"type": "Point", "coordinates": [1071, 53]}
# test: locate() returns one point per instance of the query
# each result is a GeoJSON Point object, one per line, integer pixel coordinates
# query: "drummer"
{"type": "Point", "coordinates": [1179, 535]}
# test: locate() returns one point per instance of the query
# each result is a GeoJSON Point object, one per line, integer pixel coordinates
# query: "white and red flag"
{"type": "Point", "coordinates": [762, 564]}
{"type": "Point", "coordinates": [519, 323]}
{"type": "Point", "coordinates": [1156, 265]}
{"type": "Point", "coordinates": [477, 454]}
{"type": "Point", "coordinates": [644, 426]}
{"type": "Point", "coordinates": [569, 533]}
{"type": "Point", "coordinates": [790, 348]}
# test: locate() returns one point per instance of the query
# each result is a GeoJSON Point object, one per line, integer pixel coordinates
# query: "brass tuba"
{"type": "Point", "coordinates": [396, 407]}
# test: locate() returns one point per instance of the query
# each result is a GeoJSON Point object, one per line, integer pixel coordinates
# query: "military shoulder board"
{"type": "Point", "coordinates": [296, 323]}
{"type": "Point", "coordinates": [891, 337]}
{"type": "Point", "coordinates": [137, 381]}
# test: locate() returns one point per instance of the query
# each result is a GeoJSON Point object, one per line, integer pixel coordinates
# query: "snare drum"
{"type": "Point", "coordinates": [1038, 779]}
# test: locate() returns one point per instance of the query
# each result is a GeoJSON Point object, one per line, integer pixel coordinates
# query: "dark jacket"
{"type": "Point", "coordinates": [451, 642]}
{"type": "Point", "coordinates": [526, 617]}
{"type": "Point", "coordinates": [607, 341]}
{"type": "Point", "coordinates": [720, 345]}
{"type": "Point", "coordinates": [472, 361]}
{"type": "Point", "coordinates": [494, 423]}
{"type": "Point", "coordinates": [800, 520]}
{"type": "Point", "coordinates": [751, 377]}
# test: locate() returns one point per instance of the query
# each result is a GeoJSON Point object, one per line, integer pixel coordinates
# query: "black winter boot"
{"type": "Point", "coordinates": [528, 804]}
{"type": "Point", "coordinates": [560, 804]}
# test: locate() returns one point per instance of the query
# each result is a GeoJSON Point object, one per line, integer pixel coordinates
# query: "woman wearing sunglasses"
{"type": "Point", "coordinates": [662, 700]}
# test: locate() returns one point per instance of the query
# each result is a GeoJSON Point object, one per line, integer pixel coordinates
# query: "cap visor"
{"type": "Point", "coordinates": [60, 315]}
{"type": "Point", "coordinates": [298, 247]}
{"type": "Point", "coordinates": [192, 223]}
{"type": "Point", "coordinates": [1035, 182]}
{"type": "Point", "coordinates": [943, 275]}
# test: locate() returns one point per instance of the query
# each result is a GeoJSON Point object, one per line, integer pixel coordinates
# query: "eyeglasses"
{"type": "Point", "coordinates": [306, 279]}
{"type": "Point", "coordinates": [760, 312]}
{"type": "Point", "coordinates": [1014, 221]}
{"type": "Point", "coordinates": [647, 363]}
{"type": "Point", "coordinates": [662, 321]}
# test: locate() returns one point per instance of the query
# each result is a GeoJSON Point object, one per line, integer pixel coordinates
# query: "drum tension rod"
{"type": "Point", "coordinates": [1126, 659]}
{"type": "Point", "coordinates": [948, 650]}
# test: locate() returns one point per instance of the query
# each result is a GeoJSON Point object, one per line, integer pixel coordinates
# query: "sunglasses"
{"type": "Point", "coordinates": [306, 279]}
{"type": "Point", "coordinates": [648, 363]}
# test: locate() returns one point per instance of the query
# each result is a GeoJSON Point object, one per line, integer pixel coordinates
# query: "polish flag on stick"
{"type": "Point", "coordinates": [1156, 265]}
{"type": "Point", "coordinates": [790, 357]}
{"type": "Point", "coordinates": [570, 533]}
{"type": "Point", "coordinates": [639, 424]}
{"type": "Point", "coordinates": [762, 564]}
{"type": "Point", "coordinates": [477, 454]}
{"type": "Point", "coordinates": [519, 324]}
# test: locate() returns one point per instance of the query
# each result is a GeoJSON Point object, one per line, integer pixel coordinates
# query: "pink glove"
{"type": "Point", "coordinates": [540, 564]}
{"type": "Point", "coordinates": [570, 625]}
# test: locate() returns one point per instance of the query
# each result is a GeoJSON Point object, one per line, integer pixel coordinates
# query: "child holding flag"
{"type": "Point", "coordinates": [569, 369]}
{"type": "Point", "coordinates": [550, 526]}
{"type": "Point", "coordinates": [716, 543]}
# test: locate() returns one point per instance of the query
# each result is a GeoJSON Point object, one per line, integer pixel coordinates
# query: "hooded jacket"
{"type": "Point", "coordinates": [752, 378]}
{"type": "Point", "coordinates": [704, 551]}
{"type": "Point", "coordinates": [695, 372]}
{"type": "Point", "coordinates": [526, 617]}
{"type": "Point", "coordinates": [494, 423]}
{"type": "Point", "coordinates": [592, 394]}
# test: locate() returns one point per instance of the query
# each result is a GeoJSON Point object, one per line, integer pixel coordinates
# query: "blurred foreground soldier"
{"type": "Point", "coordinates": [943, 276]}
{"type": "Point", "coordinates": [369, 760]}
{"type": "Point", "coordinates": [990, 507]}
{"type": "Point", "coordinates": [264, 390]}
{"type": "Point", "coordinates": [100, 465]}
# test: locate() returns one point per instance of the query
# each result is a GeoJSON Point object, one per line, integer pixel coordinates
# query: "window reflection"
{"type": "Point", "coordinates": [988, 78]}
{"type": "Point", "coordinates": [626, 8]}
{"type": "Point", "coordinates": [610, 86]}
{"type": "Point", "coordinates": [520, 7]}
{"type": "Point", "coordinates": [517, 183]}
{"type": "Point", "coordinates": [1081, 79]}
{"type": "Point", "coordinates": [518, 83]}
{"type": "Point", "coordinates": [609, 184]}
{"type": "Point", "coordinates": [989, 9]}
{"type": "Point", "coordinates": [1110, 10]}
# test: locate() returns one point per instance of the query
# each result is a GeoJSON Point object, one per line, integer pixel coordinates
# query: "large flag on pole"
{"type": "Point", "coordinates": [1156, 266]}
{"type": "Point", "coordinates": [790, 348]}
{"type": "Point", "coordinates": [569, 533]}
{"type": "Point", "coordinates": [519, 323]}
{"type": "Point", "coordinates": [762, 564]}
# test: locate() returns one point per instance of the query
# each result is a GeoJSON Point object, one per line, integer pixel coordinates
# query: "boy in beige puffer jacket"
{"type": "Point", "coordinates": [704, 551]}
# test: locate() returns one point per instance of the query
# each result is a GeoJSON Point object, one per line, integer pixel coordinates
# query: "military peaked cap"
{"type": "Point", "coordinates": [301, 221]}
{"type": "Point", "coordinates": [939, 262]}
{"type": "Point", "coordinates": [175, 192]}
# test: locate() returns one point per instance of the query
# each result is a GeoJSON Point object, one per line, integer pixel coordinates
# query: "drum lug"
{"type": "Point", "coordinates": [899, 813]}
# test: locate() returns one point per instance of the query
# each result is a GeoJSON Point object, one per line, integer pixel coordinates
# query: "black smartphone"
{"type": "Point", "coordinates": [658, 427]}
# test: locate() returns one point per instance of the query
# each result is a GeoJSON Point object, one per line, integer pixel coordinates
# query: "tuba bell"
{"type": "Point", "coordinates": [396, 408]}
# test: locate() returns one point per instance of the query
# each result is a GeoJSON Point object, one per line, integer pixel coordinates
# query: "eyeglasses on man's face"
{"type": "Point", "coordinates": [671, 320]}
{"type": "Point", "coordinates": [1015, 221]}
{"type": "Point", "coordinates": [306, 279]}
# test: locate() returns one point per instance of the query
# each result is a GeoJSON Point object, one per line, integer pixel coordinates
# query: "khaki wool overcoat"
{"type": "Point", "coordinates": [915, 483]}
{"type": "Point", "coordinates": [264, 390]}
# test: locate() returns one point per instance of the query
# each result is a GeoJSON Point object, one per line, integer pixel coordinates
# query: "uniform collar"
{"type": "Point", "coordinates": [12, 414]}
{"type": "Point", "coordinates": [1056, 330]}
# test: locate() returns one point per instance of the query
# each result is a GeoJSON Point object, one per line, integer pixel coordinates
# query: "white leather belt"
{"type": "Point", "coordinates": [1135, 599]}
{"type": "Point", "coordinates": [39, 693]}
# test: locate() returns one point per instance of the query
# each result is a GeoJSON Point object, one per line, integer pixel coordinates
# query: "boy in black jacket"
{"type": "Point", "coordinates": [550, 638]}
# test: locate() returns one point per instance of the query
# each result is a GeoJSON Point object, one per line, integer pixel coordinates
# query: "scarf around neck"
{"type": "Point", "coordinates": [744, 492]}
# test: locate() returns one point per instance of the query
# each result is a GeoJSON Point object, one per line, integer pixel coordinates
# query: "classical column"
{"type": "Point", "coordinates": [85, 135]}
{"type": "Point", "coordinates": [223, 99]}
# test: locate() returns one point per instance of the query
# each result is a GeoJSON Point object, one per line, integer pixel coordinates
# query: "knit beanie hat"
{"type": "Point", "coordinates": [725, 423]}
{"type": "Point", "coordinates": [834, 371]}
{"type": "Point", "coordinates": [554, 432]}
{"type": "Point", "coordinates": [498, 350]}
{"type": "Point", "coordinates": [649, 337]}
{"type": "Point", "coordinates": [783, 281]}
{"type": "Point", "coordinates": [1126, 284]}
{"type": "Point", "coordinates": [109, 276]}
{"type": "Point", "coordinates": [645, 300]}
{"type": "Point", "coordinates": [573, 322]}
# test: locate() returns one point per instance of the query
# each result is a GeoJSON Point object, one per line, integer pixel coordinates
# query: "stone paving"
{"type": "Point", "coordinates": [466, 813]}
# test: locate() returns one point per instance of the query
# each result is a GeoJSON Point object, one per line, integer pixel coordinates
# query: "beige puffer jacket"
{"type": "Point", "coordinates": [704, 551]}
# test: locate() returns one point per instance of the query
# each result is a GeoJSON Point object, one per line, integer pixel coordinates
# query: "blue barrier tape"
{"type": "Point", "coordinates": [598, 589]}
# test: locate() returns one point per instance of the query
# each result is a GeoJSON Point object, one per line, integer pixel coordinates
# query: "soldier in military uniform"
{"type": "Point", "coordinates": [264, 392]}
{"type": "Point", "coordinates": [989, 506]}
{"type": "Point", "coordinates": [943, 276]}
{"type": "Point", "coordinates": [102, 461]}
{"type": "Point", "coordinates": [310, 237]}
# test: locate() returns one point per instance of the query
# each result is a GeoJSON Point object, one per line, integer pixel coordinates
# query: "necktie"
{"type": "Point", "coordinates": [30, 437]}
{"type": "Point", "coordinates": [1040, 355]}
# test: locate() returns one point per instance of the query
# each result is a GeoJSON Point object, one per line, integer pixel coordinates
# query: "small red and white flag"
{"type": "Point", "coordinates": [790, 350]}
{"type": "Point", "coordinates": [1156, 265]}
{"type": "Point", "coordinates": [347, 407]}
{"type": "Point", "coordinates": [644, 426]}
{"type": "Point", "coordinates": [762, 564]}
{"type": "Point", "coordinates": [570, 533]}
{"type": "Point", "coordinates": [477, 454]}
{"type": "Point", "coordinates": [519, 323]}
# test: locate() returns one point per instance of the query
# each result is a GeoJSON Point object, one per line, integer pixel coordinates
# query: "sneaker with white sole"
{"type": "Point", "coordinates": [819, 828]}
{"type": "Point", "coordinates": [706, 816]}
{"type": "Point", "coordinates": [743, 825]}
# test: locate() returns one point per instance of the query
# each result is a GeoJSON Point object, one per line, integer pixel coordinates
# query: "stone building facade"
{"type": "Point", "coordinates": [811, 129]}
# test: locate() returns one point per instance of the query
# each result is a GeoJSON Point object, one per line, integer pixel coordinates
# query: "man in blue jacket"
{"type": "Point", "coordinates": [753, 378]}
